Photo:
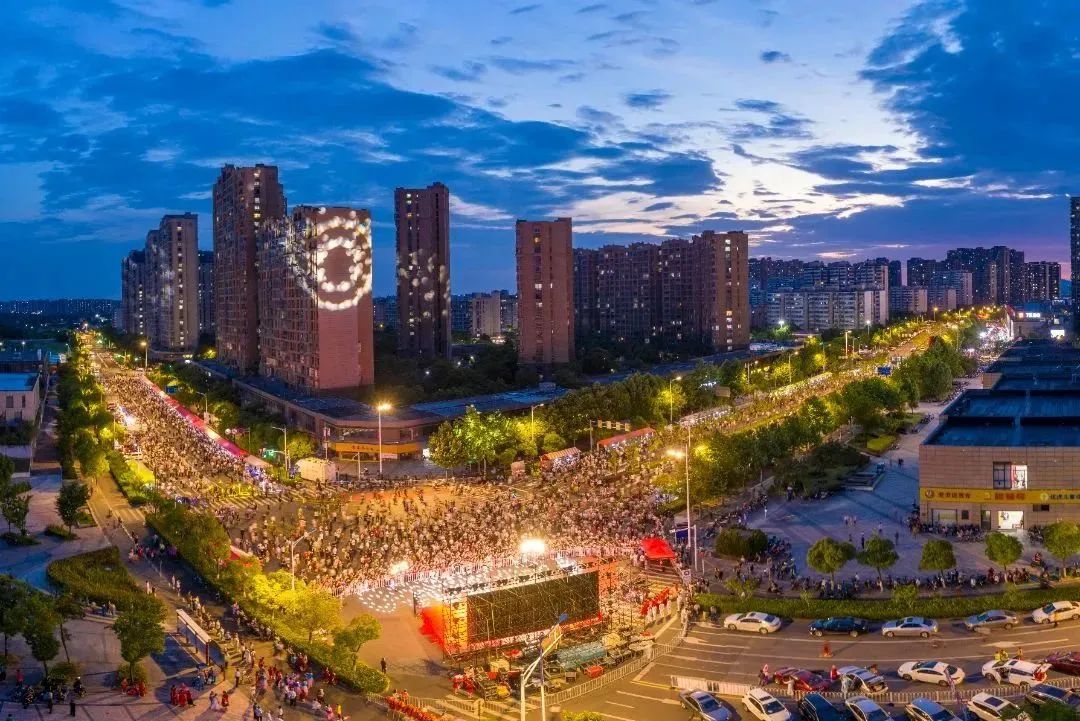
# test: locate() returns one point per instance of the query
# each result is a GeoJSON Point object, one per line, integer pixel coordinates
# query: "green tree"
{"type": "Point", "coordinates": [879, 554]}
{"type": "Point", "coordinates": [70, 500]}
{"type": "Point", "coordinates": [349, 640]}
{"type": "Point", "coordinates": [936, 379]}
{"type": "Point", "coordinates": [447, 448]}
{"type": "Point", "coordinates": [67, 608]}
{"type": "Point", "coordinates": [1053, 711]}
{"type": "Point", "coordinates": [139, 629]}
{"type": "Point", "coordinates": [937, 555]}
{"type": "Point", "coordinates": [39, 629]}
{"type": "Point", "coordinates": [301, 445]}
{"type": "Point", "coordinates": [905, 597]}
{"type": "Point", "coordinates": [13, 598]}
{"type": "Point", "coordinates": [1003, 549]}
{"type": "Point", "coordinates": [15, 509]}
{"type": "Point", "coordinates": [1062, 540]}
{"type": "Point", "coordinates": [829, 556]}
{"type": "Point", "coordinates": [313, 609]}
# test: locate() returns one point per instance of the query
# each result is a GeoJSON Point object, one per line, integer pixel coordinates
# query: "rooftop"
{"type": "Point", "coordinates": [997, 417]}
{"type": "Point", "coordinates": [18, 381]}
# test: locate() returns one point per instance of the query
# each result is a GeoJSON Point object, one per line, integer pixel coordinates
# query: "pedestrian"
{"type": "Point", "coordinates": [49, 699]}
{"type": "Point", "coordinates": [382, 664]}
{"type": "Point", "coordinates": [897, 537]}
{"type": "Point", "coordinates": [826, 651]}
{"type": "Point", "coordinates": [71, 705]}
{"type": "Point", "coordinates": [862, 541]}
{"type": "Point", "coordinates": [845, 686]}
{"type": "Point", "coordinates": [791, 686]}
{"type": "Point", "coordinates": [236, 678]}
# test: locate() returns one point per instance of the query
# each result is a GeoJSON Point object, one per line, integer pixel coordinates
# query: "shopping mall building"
{"type": "Point", "coordinates": [1008, 456]}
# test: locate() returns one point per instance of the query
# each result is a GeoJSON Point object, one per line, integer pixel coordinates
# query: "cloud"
{"type": "Point", "coordinates": [779, 123]}
{"type": "Point", "coordinates": [595, 7]}
{"type": "Point", "coordinates": [657, 206]}
{"type": "Point", "coordinates": [646, 99]}
{"type": "Point", "coordinates": [774, 56]}
{"type": "Point", "coordinates": [522, 66]}
{"type": "Point", "coordinates": [469, 72]}
{"type": "Point", "coordinates": [521, 10]}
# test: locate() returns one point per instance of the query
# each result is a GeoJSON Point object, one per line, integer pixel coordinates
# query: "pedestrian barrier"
{"type": "Point", "coordinates": [727, 688]}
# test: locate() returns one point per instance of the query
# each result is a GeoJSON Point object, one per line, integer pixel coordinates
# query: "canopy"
{"type": "Point", "coordinates": [563, 456]}
{"type": "Point", "coordinates": [624, 437]}
{"type": "Point", "coordinates": [657, 549]}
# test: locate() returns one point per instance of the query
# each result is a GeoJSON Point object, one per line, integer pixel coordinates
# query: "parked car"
{"type": "Point", "coordinates": [990, 620]}
{"type": "Point", "coordinates": [840, 624]}
{"type": "Point", "coordinates": [754, 621]}
{"type": "Point", "coordinates": [1065, 662]}
{"type": "Point", "coordinates": [937, 672]}
{"type": "Point", "coordinates": [704, 706]}
{"type": "Point", "coordinates": [1015, 671]}
{"type": "Point", "coordinates": [863, 709]}
{"type": "Point", "coordinates": [815, 707]}
{"type": "Point", "coordinates": [763, 705]}
{"type": "Point", "coordinates": [923, 709]}
{"type": "Point", "coordinates": [1044, 693]}
{"type": "Point", "coordinates": [1056, 611]}
{"type": "Point", "coordinates": [910, 626]}
{"type": "Point", "coordinates": [863, 680]}
{"type": "Point", "coordinates": [992, 708]}
{"type": "Point", "coordinates": [804, 680]}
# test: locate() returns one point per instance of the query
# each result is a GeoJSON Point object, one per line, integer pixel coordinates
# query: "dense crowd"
{"type": "Point", "coordinates": [188, 465]}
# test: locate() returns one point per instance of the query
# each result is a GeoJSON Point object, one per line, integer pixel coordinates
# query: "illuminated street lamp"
{"type": "Point", "coordinates": [671, 399]}
{"type": "Point", "coordinates": [146, 353]}
{"type": "Point", "coordinates": [935, 313]}
{"type": "Point", "coordinates": [684, 456]}
{"type": "Point", "coordinates": [292, 558]}
{"type": "Point", "coordinates": [381, 408]}
{"type": "Point", "coordinates": [532, 547]}
{"type": "Point", "coordinates": [285, 430]}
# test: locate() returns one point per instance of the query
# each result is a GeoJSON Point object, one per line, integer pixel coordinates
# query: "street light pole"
{"type": "Point", "coordinates": [292, 558]}
{"type": "Point", "coordinates": [381, 408]}
{"type": "Point", "coordinates": [206, 404]}
{"type": "Point", "coordinates": [671, 398]}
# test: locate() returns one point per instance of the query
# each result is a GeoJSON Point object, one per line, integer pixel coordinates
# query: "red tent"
{"type": "Point", "coordinates": [657, 549]}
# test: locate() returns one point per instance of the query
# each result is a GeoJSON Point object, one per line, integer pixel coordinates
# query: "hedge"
{"type": "Point", "coordinates": [131, 478]}
{"type": "Point", "coordinates": [886, 609]}
{"type": "Point", "coordinates": [880, 444]}
{"type": "Point", "coordinates": [98, 576]}
{"type": "Point", "coordinates": [737, 542]}
{"type": "Point", "coordinates": [196, 536]}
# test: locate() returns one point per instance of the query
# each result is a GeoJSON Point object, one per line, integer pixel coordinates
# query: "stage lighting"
{"type": "Point", "coordinates": [399, 568]}
{"type": "Point", "coordinates": [533, 546]}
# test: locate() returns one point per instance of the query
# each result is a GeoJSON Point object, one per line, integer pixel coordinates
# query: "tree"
{"type": "Point", "coordinates": [312, 609]}
{"type": "Point", "coordinates": [829, 556]}
{"type": "Point", "coordinates": [1062, 540]}
{"type": "Point", "coordinates": [140, 632]}
{"type": "Point", "coordinates": [301, 445]}
{"type": "Point", "coordinates": [937, 555]}
{"type": "Point", "coordinates": [879, 554]}
{"type": "Point", "coordinates": [1003, 550]}
{"type": "Point", "coordinates": [348, 640]}
{"type": "Point", "coordinates": [67, 608]}
{"type": "Point", "coordinates": [70, 500]}
{"type": "Point", "coordinates": [1054, 711]}
{"type": "Point", "coordinates": [39, 630]}
{"type": "Point", "coordinates": [446, 447]}
{"type": "Point", "coordinates": [13, 598]}
{"type": "Point", "coordinates": [15, 509]}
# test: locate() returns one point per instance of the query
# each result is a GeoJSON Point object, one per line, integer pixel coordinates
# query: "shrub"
{"type": "Point", "coordinates": [98, 576]}
{"type": "Point", "coordinates": [137, 673]}
{"type": "Point", "coordinates": [135, 480]}
{"type": "Point", "coordinates": [57, 531]}
{"type": "Point", "coordinates": [738, 542]}
{"type": "Point", "coordinates": [18, 539]}
{"type": "Point", "coordinates": [65, 671]}
{"type": "Point", "coordinates": [880, 444]}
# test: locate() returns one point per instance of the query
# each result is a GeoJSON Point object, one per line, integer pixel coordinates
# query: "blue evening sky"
{"type": "Point", "coordinates": [835, 129]}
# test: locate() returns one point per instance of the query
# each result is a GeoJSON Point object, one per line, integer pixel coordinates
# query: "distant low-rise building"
{"type": "Point", "coordinates": [19, 397]}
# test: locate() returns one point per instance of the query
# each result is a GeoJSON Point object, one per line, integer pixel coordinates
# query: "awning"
{"type": "Point", "coordinates": [566, 454]}
{"type": "Point", "coordinates": [657, 549]}
{"type": "Point", "coordinates": [624, 437]}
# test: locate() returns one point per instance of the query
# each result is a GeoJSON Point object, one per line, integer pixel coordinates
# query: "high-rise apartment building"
{"type": "Point", "coordinates": [509, 311]}
{"type": "Point", "coordinates": [1074, 256]}
{"type": "Point", "coordinates": [485, 314]}
{"type": "Point", "coordinates": [617, 292]}
{"type": "Point", "coordinates": [586, 313]}
{"type": "Point", "coordinates": [422, 217]}
{"type": "Point", "coordinates": [545, 267]}
{"type": "Point", "coordinates": [1042, 281]}
{"type": "Point", "coordinates": [315, 300]}
{"type": "Point", "coordinates": [386, 315]}
{"type": "Point", "coordinates": [244, 199]}
{"type": "Point", "coordinates": [894, 274]}
{"type": "Point", "coordinates": [206, 292]}
{"type": "Point", "coordinates": [133, 293]}
{"type": "Point", "coordinates": [172, 273]}
{"type": "Point", "coordinates": [871, 274]}
{"type": "Point", "coordinates": [908, 300]}
{"type": "Point", "coordinates": [816, 310]}
{"type": "Point", "coordinates": [920, 271]}
{"type": "Point", "coordinates": [982, 263]}
{"type": "Point", "coordinates": [958, 280]}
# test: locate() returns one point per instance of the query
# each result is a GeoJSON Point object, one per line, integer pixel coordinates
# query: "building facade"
{"type": "Point", "coordinates": [206, 292]}
{"type": "Point", "coordinates": [172, 273]}
{"type": "Point", "coordinates": [245, 198]}
{"type": "Point", "coordinates": [133, 293]}
{"type": "Point", "coordinates": [545, 267]}
{"type": "Point", "coordinates": [1042, 281]}
{"type": "Point", "coordinates": [818, 310]}
{"type": "Point", "coordinates": [1074, 255]}
{"type": "Point", "coordinates": [315, 299]}
{"type": "Point", "coordinates": [908, 300]}
{"type": "Point", "coordinates": [485, 315]}
{"type": "Point", "coordinates": [422, 218]}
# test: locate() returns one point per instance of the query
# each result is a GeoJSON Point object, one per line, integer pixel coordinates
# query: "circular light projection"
{"type": "Point", "coordinates": [330, 255]}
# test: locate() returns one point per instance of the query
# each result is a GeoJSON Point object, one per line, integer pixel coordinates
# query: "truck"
{"type": "Point", "coordinates": [315, 469]}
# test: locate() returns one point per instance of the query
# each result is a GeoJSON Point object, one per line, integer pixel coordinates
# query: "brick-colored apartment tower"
{"type": "Point", "coordinates": [244, 199]}
{"type": "Point", "coordinates": [133, 293]}
{"type": "Point", "coordinates": [315, 299]}
{"type": "Point", "coordinates": [172, 272]}
{"type": "Point", "coordinates": [545, 281]}
{"type": "Point", "coordinates": [422, 217]}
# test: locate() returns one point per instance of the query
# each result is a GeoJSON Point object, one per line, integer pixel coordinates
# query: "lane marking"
{"type": "Point", "coordinates": [670, 702]}
{"type": "Point", "coordinates": [652, 684]}
{"type": "Point", "coordinates": [616, 703]}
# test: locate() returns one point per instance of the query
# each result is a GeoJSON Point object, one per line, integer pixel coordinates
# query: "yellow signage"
{"type": "Point", "coordinates": [993, 495]}
{"type": "Point", "coordinates": [346, 447]}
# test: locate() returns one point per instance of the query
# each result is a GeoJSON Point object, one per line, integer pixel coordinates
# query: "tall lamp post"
{"type": "Point", "coordinates": [292, 558]}
{"type": "Point", "coordinates": [146, 353]}
{"type": "Point", "coordinates": [532, 422]}
{"type": "Point", "coordinates": [206, 405]}
{"type": "Point", "coordinates": [285, 430]}
{"type": "Point", "coordinates": [671, 398]}
{"type": "Point", "coordinates": [381, 408]}
{"type": "Point", "coordinates": [685, 457]}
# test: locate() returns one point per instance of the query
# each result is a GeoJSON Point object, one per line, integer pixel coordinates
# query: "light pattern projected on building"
{"type": "Point", "coordinates": [331, 257]}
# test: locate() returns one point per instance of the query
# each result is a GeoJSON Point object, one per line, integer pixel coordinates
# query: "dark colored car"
{"type": "Point", "coordinates": [1043, 693]}
{"type": "Point", "coordinates": [704, 706]}
{"type": "Point", "coordinates": [804, 680]}
{"type": "Point", "coordinates": [1065, 662]}
{"type": "Point", "coordinates": [815, 707]}
{"type": "Point", "coordinates": [840, 624]}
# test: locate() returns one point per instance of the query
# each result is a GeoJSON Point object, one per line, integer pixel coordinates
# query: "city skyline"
{"type": "Point", "coordinates": [877, 139]}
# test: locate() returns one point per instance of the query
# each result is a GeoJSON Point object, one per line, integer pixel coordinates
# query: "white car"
{"type": "Point", "coordinates": [763, 705]}
{"type": "Point", "coordinates": [910, 626]}
{"type": "Point", "coordinates": [1056, 611]}
{"type": "Point", "coordinates": [863, 681]}
{"type": "Point", "coordinates": [937, 672]}
{"type": "Point", "coordinates": [863, 709]}
{"type": "Point", "coordinates": [754, 621]}
{"type": "Point", "coordinates": [1021, 673]}
{"type": "Point", "coordinates": [992, 708]}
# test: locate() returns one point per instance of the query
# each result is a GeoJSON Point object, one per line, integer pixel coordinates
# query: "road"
{"type": "Point", "coordinates": [713, 653]}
